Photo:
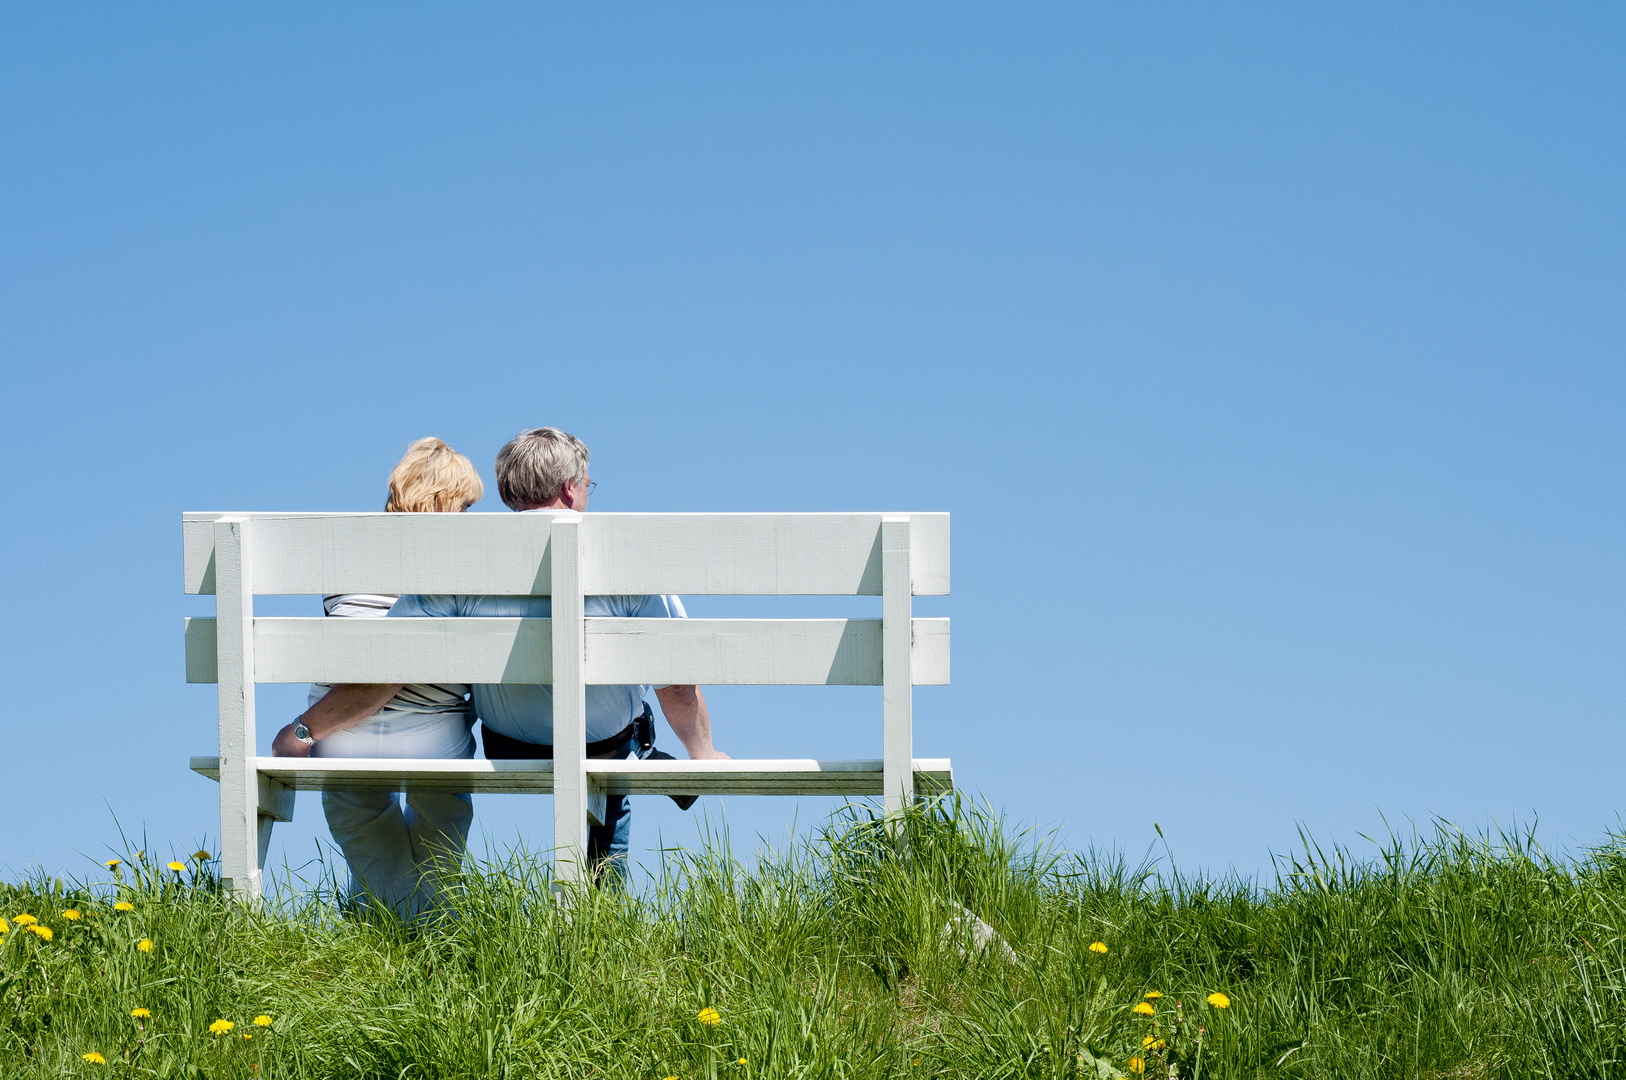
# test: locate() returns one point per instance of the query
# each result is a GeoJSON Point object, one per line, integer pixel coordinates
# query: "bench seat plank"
{"type": "Point", "coordinates": [772, 776]}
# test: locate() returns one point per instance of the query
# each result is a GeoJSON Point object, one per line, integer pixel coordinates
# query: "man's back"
{"type": "Point", "coordinates": [525, 710]}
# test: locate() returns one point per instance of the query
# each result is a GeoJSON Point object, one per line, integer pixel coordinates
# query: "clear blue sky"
{"type": "Point", "coordinates": [1269, 358]}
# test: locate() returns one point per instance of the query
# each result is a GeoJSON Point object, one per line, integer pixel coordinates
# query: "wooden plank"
{"type": "Point", "coordinates": [202, 657]}
{"type": "Point", "coordinates": [764, 652]}
{"type": "Point", "coordinates": [570, 787]}
{"type": "Point", "coordinates": [706, 652]}
{"type": "Point", "coordinates": [745, 554]}
{"type": "Point", "coordinates": [773, 776]}
{"type": "Point", "coordinates": [241, 843]}
{"type": "Point", "coordinates": [276, 798]}
{"type": "Point", "coordinates": [897, 650]}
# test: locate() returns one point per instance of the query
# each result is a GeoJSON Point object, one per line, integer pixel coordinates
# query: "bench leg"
{"type": "Point", "coordinates": [242, 835]}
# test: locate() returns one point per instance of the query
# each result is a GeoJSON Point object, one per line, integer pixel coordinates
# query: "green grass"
{"type": "Point", "coordinates": [1446, 956]}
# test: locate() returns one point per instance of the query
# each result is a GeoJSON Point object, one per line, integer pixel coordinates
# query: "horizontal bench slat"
{"type": "Point", "coordinates": [774, 776]}
{"type": "Point", "coordinates": [742, 554]}
{"type": "Point", "coordinates": [708, 652]}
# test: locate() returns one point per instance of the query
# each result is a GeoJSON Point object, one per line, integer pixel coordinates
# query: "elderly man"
{"type": "Point", "coordinates": [546, 469]}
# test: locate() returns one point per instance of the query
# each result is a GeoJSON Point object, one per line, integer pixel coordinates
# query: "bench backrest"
{"type": "Point", "coordinates": [739, 554]}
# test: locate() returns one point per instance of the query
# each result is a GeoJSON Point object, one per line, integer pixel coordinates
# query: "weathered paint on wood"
{"type": "Point", "coordinates": [695, 554]}
{"type": "Point", "coordinates": [708, 652]}
{"type": "Point", "coordinates": [763, 776]}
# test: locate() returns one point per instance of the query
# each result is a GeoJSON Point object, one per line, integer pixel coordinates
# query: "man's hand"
{"type": "Point", "coordinates": [285, 745]}
{"type": "Point", "coordinates": [685, 710]}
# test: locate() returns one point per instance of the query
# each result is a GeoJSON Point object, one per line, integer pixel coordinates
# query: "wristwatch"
{"type": "Point", "coordinates": [303, 734]}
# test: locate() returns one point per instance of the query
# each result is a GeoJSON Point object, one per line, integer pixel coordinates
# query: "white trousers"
{"type": "Point", "coordinates": [395, 853]}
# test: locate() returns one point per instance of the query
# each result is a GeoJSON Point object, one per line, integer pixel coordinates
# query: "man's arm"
{"type": "Point", "coordinates": [345, 705]}
{"type": "Point", "coordinates": [685, 710]}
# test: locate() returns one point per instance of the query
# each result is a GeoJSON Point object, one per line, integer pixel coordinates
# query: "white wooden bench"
{"type": "Point", "coordinates": [567, 556]}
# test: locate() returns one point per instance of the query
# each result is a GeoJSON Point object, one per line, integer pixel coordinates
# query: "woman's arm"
{"type": "Point", "coordinates": [343, 706]}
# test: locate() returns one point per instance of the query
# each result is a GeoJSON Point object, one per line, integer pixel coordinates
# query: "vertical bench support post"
{"type": "Point", "coordinates": [897, 676]}
{"type": "Point", "coordinates": [242, 847]}
{"type": "Point", "coordinates": [569, 704]}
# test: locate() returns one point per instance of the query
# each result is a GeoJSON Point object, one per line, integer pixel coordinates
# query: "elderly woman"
{"type": "Point", "coordinates": [395, 852]}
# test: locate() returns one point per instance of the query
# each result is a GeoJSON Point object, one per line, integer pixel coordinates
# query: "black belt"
{"type": "Point", "coordinates": [639, 736]}
{"type": "Point", "coordinates": [504, 747]}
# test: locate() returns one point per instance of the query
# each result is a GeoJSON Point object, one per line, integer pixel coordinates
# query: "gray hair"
{"type": "Point", "coordinates": [536, 465]}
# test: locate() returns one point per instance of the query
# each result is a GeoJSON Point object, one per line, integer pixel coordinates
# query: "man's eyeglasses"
{"type": "Point", "coordinates": [590, 485]}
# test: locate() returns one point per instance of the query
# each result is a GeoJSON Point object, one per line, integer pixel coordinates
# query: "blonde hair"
{"type": "Point", "coordinates": [433, 477]}
{"type": "Point", "coordinates": [536, 464]}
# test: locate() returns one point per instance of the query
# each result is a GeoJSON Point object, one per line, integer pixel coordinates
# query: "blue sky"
{"type": "Point", "coordinates": [1269, 358]}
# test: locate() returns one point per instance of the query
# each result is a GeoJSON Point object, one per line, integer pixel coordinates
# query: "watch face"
{"type": "Point", "coordinates": [303, 733]}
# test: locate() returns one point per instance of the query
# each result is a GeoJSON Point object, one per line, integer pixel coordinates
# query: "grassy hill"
{"type": "Point", "coordinates": [1451, 956]}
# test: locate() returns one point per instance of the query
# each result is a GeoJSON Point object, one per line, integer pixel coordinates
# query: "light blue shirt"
{"type": "Point", "coordinates": [525, 710]}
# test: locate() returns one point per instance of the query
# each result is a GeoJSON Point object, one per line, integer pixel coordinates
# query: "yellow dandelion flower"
{"type": "Point", "coordinates": [248, 1034]}
{"type": "Point", "coordinates": [113, 864]}
{"type": "Point", "coordinates": [1098, 946]}
{"type": "Point", "coordinates": [5, 927]}
{"type": "Point", "coordinates": [1136, 1065]}
{"type": "Point", "coordinates": [1152, 1042]}
{"type": "Point", "coordinates": [176, 866]}
{"type": "Point", "coordinates": [740, 1062]}
{"type": "Point", "coordinates": [262, 1021]}
{"type": "Point", "coordinates": [220, 1027]}
{"type": "Point", "coordinates": [202, 856]}
{"type": "Point", "coordinates": [72, 915]}
{"type": "Point", "coordinates": [24, 919]}
{"type": "Point", "coordinates": [709, 1016]}
{"type": "Point", "coordinates": [94, 1058]}
{"type": "Point", "coordinates": [1144, 1008]}
{"type": "Point", "coordinates": [145, 944]}
{"type": "Point", "coordinates": [141, 1014]}
{"type": "Point", "coordinates": [1219, 1001]}
{"type": "Point", "coordinates": [671, 1078]}
{"type": "Point", "coordinates": [44, 932]}
{"type": "Point", "coordinates": [124, 905]}
{"type": "Point", "coordinates": [1153, 995]}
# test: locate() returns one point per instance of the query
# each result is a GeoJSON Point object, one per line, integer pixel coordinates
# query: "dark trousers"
{"type": "Point", "coordinates": [607, 844]}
